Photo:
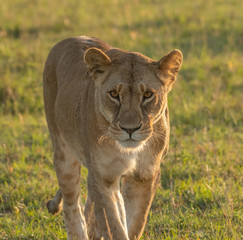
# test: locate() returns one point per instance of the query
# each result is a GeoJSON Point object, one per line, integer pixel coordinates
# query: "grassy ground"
{"type": "Point", "coordinates": [200, 196]}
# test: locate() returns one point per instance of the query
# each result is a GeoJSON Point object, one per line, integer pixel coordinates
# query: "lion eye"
{"type": "Point", "coordinates": [114, 94]}
{"type": "Point", "coordinates": [147, 95]}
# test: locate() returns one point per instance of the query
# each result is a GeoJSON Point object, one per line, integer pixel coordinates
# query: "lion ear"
{"type": "Point", "coordinates": [169, 66]}
{"type": "Point", "coordinates": [96, 60]}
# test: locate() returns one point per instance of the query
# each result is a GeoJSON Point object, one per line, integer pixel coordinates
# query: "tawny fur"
{"type": "Point", "coordinates": [107, 110]}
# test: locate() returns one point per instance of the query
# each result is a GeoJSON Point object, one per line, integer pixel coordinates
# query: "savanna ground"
{"type": "Point", "coordinates": [200, 195]}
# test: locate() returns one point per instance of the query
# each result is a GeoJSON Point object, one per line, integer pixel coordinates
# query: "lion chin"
{"type": "Point", "coordinates": [130, 146]}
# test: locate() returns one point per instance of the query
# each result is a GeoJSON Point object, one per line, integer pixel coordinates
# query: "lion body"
{"type": "Point", "coordinates": [116, 138]}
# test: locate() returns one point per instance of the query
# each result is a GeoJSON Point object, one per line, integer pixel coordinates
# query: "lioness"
{"type": "Point", "coordinates": [107, 110]}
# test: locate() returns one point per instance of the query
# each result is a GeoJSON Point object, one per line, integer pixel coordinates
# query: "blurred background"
{"type": "Point", "coordinates": [200, 196]}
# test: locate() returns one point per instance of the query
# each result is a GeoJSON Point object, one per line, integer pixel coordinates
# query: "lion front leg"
{"type": "Point", "coordinates": [68, 175]}
{"type": "Point", "coordinates": [92, 225]}
{"type": "Point", "coordinates": [138, 195]}
{"type": "Point", "coordinates": [109, 209]}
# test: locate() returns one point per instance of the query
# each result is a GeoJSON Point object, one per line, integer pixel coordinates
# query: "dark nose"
{"type": "Point", "coordinates": [130, 131]}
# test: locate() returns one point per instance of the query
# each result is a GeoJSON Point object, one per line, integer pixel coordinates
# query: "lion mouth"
{"type": "Point", "coordinates": [130, 140]}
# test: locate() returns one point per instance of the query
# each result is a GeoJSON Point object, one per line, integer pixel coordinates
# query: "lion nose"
{"type": "Point", "coordinates": [130, 131]}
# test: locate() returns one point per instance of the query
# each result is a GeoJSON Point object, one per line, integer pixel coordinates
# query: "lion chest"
{"type": "Point", "coordinates": [112, 164]}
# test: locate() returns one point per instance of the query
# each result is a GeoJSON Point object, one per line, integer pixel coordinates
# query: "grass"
{"type": "Point", "coordinates": [200, 196]}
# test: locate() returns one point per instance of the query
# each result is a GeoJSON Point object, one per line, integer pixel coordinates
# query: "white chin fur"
{"type": "Point", "coordinates": [130, 146]}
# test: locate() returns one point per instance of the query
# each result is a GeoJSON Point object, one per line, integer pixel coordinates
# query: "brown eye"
{"type": "Point", "coordinates": [114, 94]}
{"type": "Point", "coordinates": [147, 94]}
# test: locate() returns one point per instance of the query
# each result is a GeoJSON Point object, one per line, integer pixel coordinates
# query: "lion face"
{"type": "Point", "coordinates": [131, 91]}
{"type": "Point", "coordinates": [131, 105]}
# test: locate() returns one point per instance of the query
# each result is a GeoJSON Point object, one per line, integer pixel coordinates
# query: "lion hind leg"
{"type": "Point", "coordinates": [68, 169]}
{"type": "Point", "coordinates": [54, 205]}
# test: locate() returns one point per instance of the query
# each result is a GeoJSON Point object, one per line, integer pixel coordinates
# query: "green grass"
{"type": "Point", "coordinates": [200, 195]}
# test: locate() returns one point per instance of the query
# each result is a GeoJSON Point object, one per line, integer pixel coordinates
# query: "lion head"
{"type": "Point", "coordinates": [131, 92]}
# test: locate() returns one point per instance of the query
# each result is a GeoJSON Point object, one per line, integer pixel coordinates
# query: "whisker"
{"type": "Point", "coordinates": [103, 138]}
